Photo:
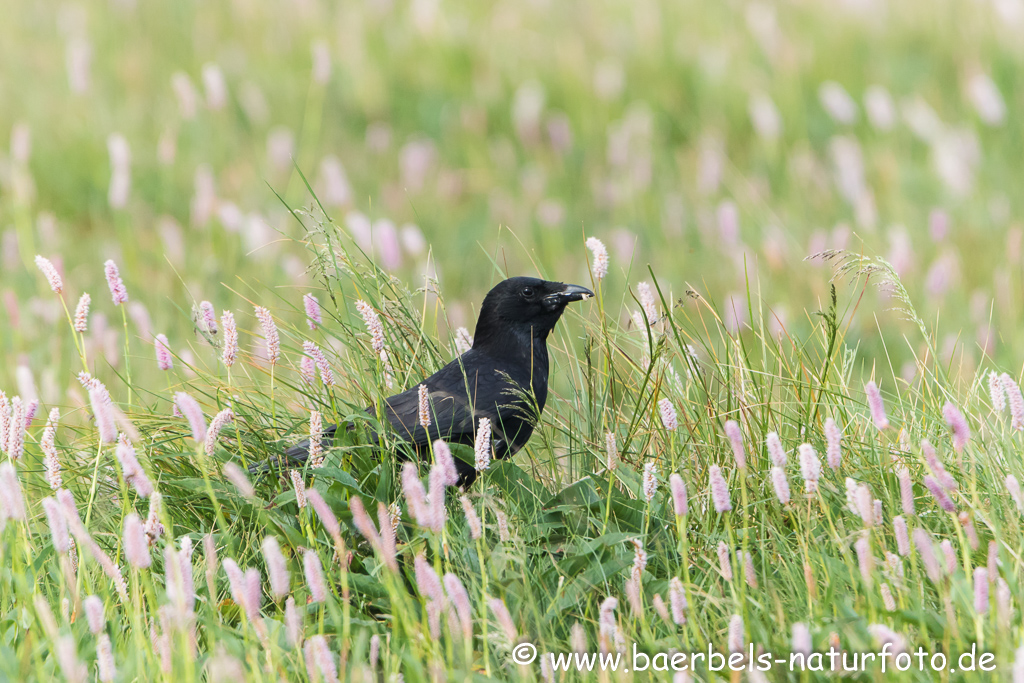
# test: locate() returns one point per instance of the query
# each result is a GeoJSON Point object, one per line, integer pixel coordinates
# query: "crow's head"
{"type": "Point", "coordinates": [524, 307]}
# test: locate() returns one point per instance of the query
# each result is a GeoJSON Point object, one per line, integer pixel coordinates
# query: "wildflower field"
{"type": "Point", "coordinates": [786, 432]}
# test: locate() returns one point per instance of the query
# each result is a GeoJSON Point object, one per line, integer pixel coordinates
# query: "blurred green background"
{"type": "Point", "coordinates": [721, 143]}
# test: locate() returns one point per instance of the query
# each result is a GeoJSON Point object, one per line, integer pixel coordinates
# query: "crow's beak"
{"type": "Point", "coordinates": [568, 294]}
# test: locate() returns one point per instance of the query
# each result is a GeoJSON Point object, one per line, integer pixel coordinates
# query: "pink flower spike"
{"type": "Point", "coordinates": [12, 504]}
{"type": "Point", "coordinates": [112, 571]}
{"type": "Point", "coordinates": [209, 317]}
{"type": "Point", "coordinates": [238, 478]}
{"type": "Point", "coordinates": [810, 467]}
{"type": "Point", "coordinates": [611, 450]}
{"type": "Point", "coordinates": [299, 485]}
{"type": "Point", "coordinates": [437, 514]}
{"type": "Point", "coordinates": [31, 408]}
{"type": "Point", "coordinates": [924, 547]}
{"type": "Point", "coordinates": [647, 302]}
{"type": "Point", "coordinates": [50, 271]}
{"type": "Point", "coordinates": [164, 360]}
{"type": "Point", "coordinates": [314, 352]}
{"type": "Point", "coordinates": [608, 629]}
{"type": "Point", "coordinates": [118, 293]}
{"type": "Point", "coordinates": [944, 478]}
{"type": "Point", "coordinates": [888, 601]}
{"type": "Point", "coordinates": [71, 666]}
{"type": "Point", "coordinates": [318, 658]}
{"type": "Point", "coordinates": [677, 600]}
{"type": "Point", "coordinates": [94, 614]}
{"type": "Point", "coordinates": [193, 413]}
{"type": "Point", "coordinates": [153, 527]}
{"type": "Point", "coordinates": [427, 581]}
{"type": "Point", "coordinates": [578, 644]}
{"type": "Point", "coordinates": [877, 406]}
{"type": "Point", "coordinates": [105, 659]}
{"type": "Point", "coordinates": [271, 337]}
{"type": "Point", "coordinates": [314, 576]}
{"type": "Point", "coordinates": [230, 349]}
{"type": "Point", "coordinates": [650, 481]}
{"type": "Point", "coordinates": [833, 437]}
{"type": "Point", "coordinates": [472, 519]}
{"type": "Point", "coordinates": [724, 561]}
{"type": "Point", "coordinates": [801, 642]}
{"type": "Point", "coordinates": [292, 622]}
{"type": "Point", "coordinates": [363, 523]}
{"type": "Point", "coordinates": [732, 430]}
{"type": "Point", "coordinates": [737, 640]}
{"type": "Point", "coordinates": [504, 618]}
{"type": "Point", "coordinates": [939, 493]}
{"type": "Point", "coordinates": [679, 498]}
{"type": "Point", "coordinates": [5, 420]}
{"type": "Point", "coordinates": [950, 554]}
{"type": "Point", "coordinates": [958, 424]}
{"type": "Point", "coordinates": [775, 450]}
{"type": "Point", "coordinates": [58, 525]}
{"type": "Point", "coordinates": [102, 410]}
{"type": "Point", "coordinates": [388, 527]}
{"type": "Point", "coordinates": [981, 590]}
{"type": "Point", "coordinates": [237, 582]}
{"type": "Point", "coordinates": [277, 567]}
{"type": "Point", "coordinates": [661, 608]}
{"type": "Point", "coordinates": [997, 392]}
{"type": "Point", "coordinates": [220, 420]}
{"type": "Point", "coordinates": [415, 495]}
{"type": "Point", "coordinates": [719, 490]}
{"type": "Point", "coordinates": [70, 511]}
{"type": "Point", "coordinates": [781, 485]}
{"type": "Point", "coordinates": [15, 435]}
{"type": "Point", "coordinates": [1004, 604]}
{"type": "Point", "coordinates": [316, 439]}
{"type": "Point", "coordinates": [865, 558]}
{"type": "Point", "coordinates": [324, 513]}
{"type": "Point", "coordinates": [599, 262]}
{"type": "Point", "coordinates": [460, 598]}
{"type": "Point", "coordinates": [864, 505]}
{"type": "Point", "coordinates": [131, 469]}
{"type": "Point", "coordinates": [312, 306]}
{"type": "Point", "coordinates": [307, 370]}
{"type": "Point", "coordinates": [483, 444]}
{"type": "Point", "coordinates": [902, 538]}
{"type": "Point", "coordinates": [443, 456]}
{"type": "Point", "coordinates": [1016, 401]}
{"type": "Point", "coordinates": [668, 415]}
{"type": "Point", "coordinates": [82, 313]}
{"type": "Point", "coordinates": [423, 405]}
{"type": "Point", "coordinates": [373, 325]}
{"type": "Point", "coordinates": [906, 490]}
{"type": "Point", "coordinates": [136, 547]}
{"type": "Point", "coordinates": [503, 531]}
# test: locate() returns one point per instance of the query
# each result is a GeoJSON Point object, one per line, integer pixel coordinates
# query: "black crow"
{"type": "Point", "coordinates": [503, 377]}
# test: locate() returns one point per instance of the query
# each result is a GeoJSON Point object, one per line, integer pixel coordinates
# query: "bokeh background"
{"type": "Point", "coordinates": [719, 143]}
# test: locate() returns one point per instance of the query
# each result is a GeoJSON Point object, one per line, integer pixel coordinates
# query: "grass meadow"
{"type": "Point", "coordinates": [789, 423]}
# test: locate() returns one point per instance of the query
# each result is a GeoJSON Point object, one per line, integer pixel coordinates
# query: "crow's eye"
{"type": "Point", "coordinates": [528, 292]}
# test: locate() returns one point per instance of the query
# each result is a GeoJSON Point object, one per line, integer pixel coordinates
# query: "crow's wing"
{"type": "Point", "coordinates": [458, 395]}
